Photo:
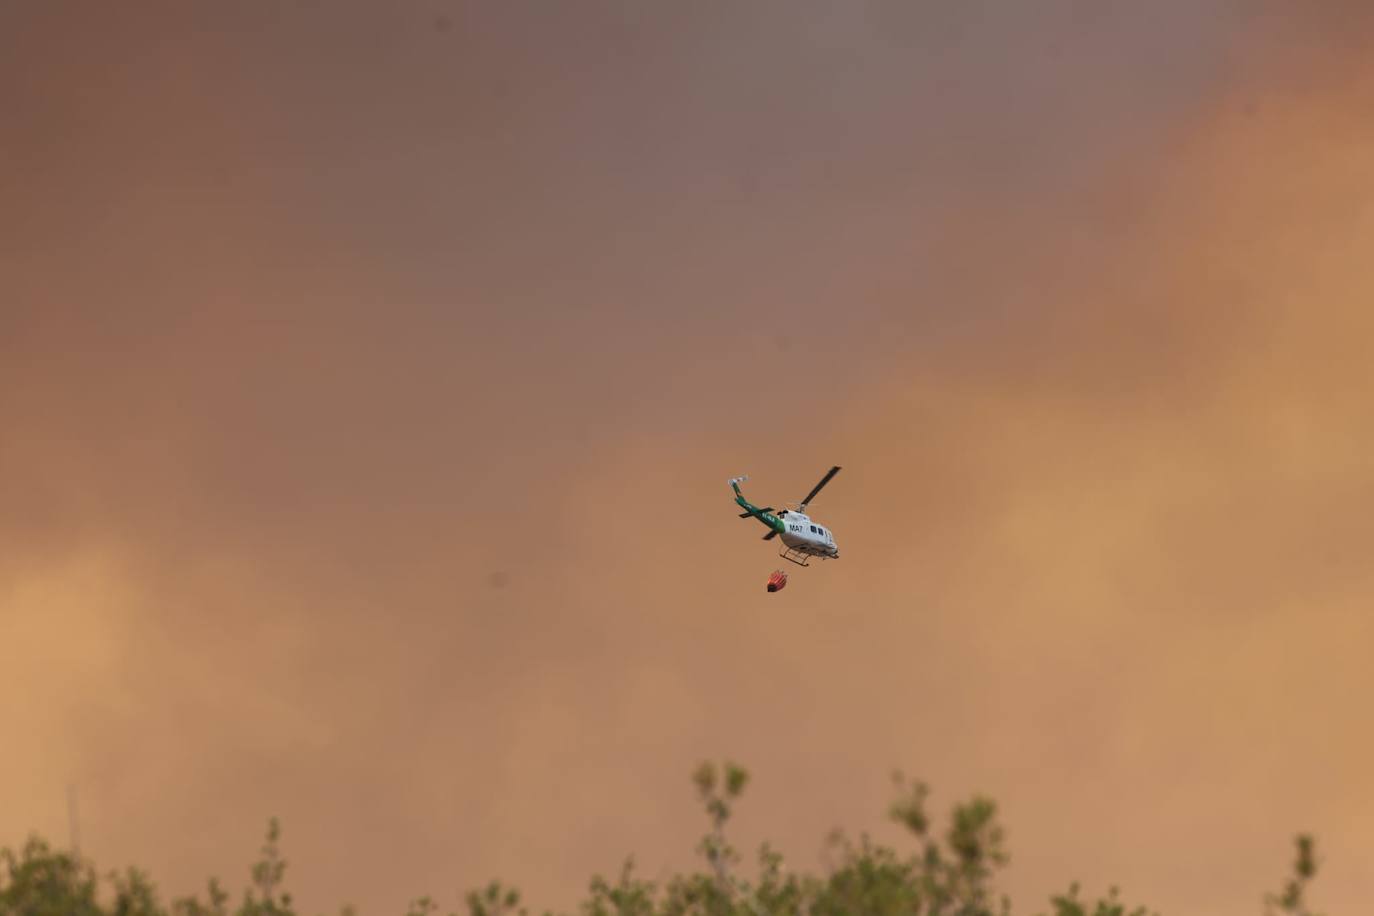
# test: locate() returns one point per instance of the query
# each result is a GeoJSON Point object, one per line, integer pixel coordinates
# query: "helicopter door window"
{"type": "Point", "coordinates": [813, 529]}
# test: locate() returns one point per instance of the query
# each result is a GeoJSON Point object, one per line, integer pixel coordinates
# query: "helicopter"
{"type": "Point", "coordinates": [802, 538]}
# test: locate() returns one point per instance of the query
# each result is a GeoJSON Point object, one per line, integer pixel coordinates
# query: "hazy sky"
{"type": "Point", "coordinates": [370, 374]}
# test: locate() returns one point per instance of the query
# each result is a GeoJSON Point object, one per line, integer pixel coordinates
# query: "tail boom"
{"type": "Point", "coordinates": [765, 516]}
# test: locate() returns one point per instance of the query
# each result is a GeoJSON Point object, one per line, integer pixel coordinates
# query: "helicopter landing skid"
{"type": "Point", "coordinates": [799, 557]}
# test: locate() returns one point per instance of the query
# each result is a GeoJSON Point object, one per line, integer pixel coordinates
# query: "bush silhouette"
{"type": "Point", "coordinates": [951, 872]}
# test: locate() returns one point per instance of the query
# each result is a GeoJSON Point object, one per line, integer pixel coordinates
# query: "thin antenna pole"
{"type": "Point", "coordinates": [72, 824]}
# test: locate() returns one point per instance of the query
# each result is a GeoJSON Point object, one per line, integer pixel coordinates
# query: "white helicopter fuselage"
{"type": "Point", "coordinates": [805, 536]}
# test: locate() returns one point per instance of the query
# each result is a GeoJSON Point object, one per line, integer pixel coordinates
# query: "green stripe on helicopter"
{"type": "Point", "coordinates": [763, 515]}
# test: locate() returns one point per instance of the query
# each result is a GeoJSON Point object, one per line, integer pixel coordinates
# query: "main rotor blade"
{"type": "Point", "coordinates": [817, 488]}
{"type": "Point", "coordinates": [770, 535]}
{"type": "Point", "coordinates": [752, 514]}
